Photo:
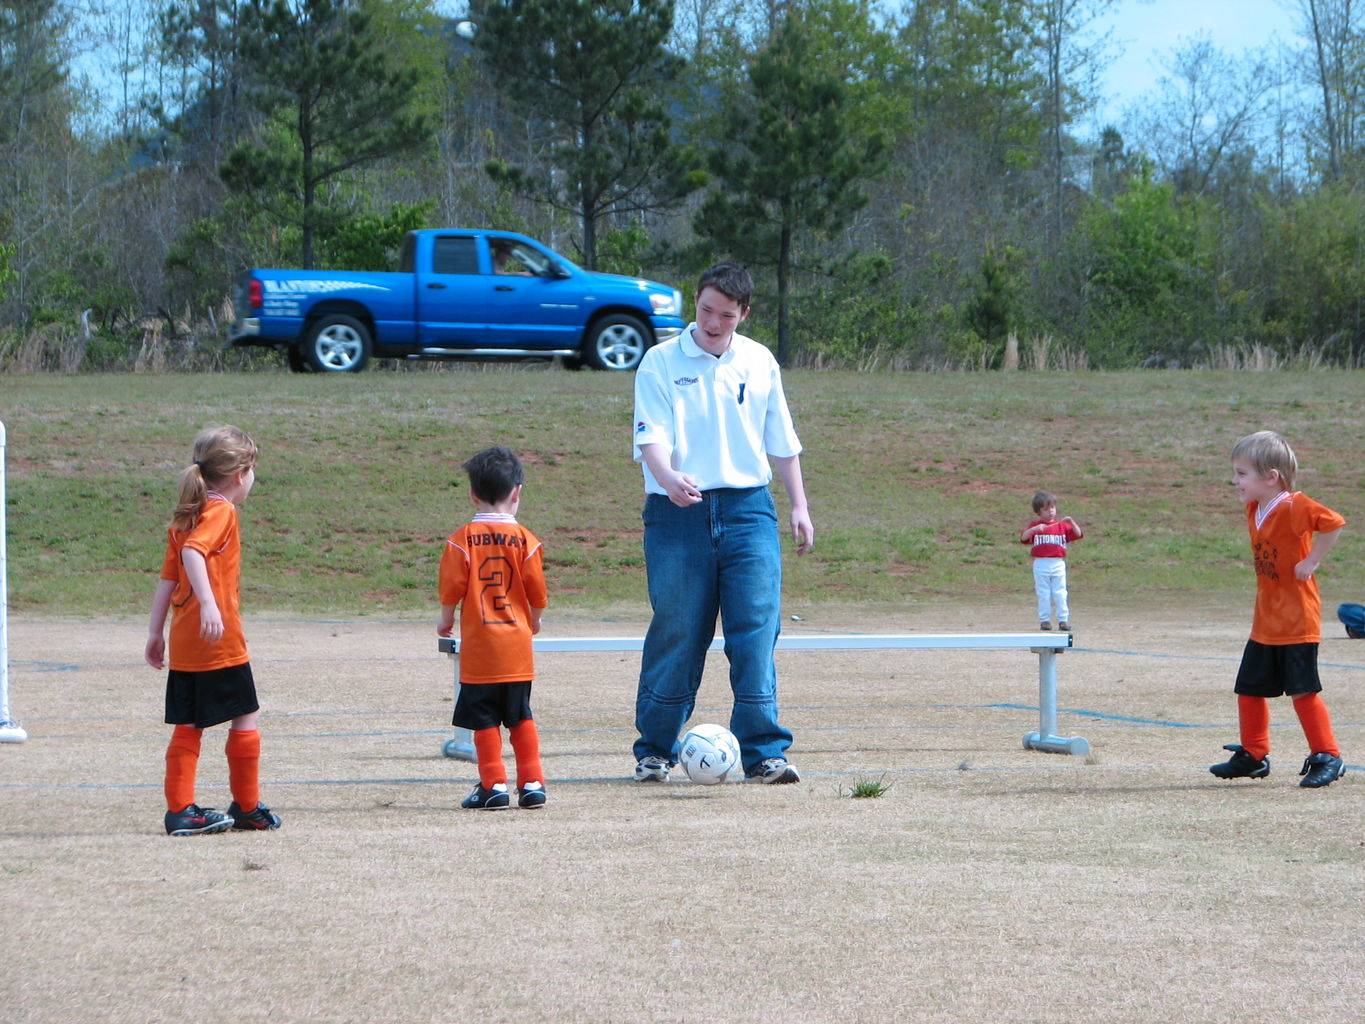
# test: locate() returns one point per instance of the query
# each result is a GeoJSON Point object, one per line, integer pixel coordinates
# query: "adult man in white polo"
{"type": "Point", "coordinates": [710, 414]}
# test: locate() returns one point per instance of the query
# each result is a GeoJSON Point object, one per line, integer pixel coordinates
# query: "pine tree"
{"type": "Point", "coordinates": [335, 100]}
{"type": "Point", "coordinates": [588, 77]}
{"type": "Point", "coordinates": [789, 165]}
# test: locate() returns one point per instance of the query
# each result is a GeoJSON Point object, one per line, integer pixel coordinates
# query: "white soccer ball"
{"type": "Point", "coordinates": [708, 753]}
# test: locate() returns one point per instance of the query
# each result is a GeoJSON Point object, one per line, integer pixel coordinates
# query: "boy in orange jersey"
{"type": "Point", "coordinates": [491, 568]}
{"type": "Point", "coordinates": [1290, 536]}
{"type": "Point", "coordinates": [209, 681]}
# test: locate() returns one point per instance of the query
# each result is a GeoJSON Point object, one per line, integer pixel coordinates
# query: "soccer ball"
{"type": "Point", "coordinates": [708, 753]}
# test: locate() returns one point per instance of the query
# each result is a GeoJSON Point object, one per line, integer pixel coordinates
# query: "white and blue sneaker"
{"type": "Point", "coordinates": [651, 769]}
{"type": "Point", "coordinates": [774, 771]}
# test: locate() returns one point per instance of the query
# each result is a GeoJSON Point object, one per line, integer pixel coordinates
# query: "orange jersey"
{"type": "Point", "coordinates": [491, 568]}
{"type": "Point", "coordinates": [1288, 610]}
{"type": "Point", "coordinates": [215, 537]}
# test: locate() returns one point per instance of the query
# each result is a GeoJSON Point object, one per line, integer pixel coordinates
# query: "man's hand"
{"type": "Point", "coordinates": [682, 489]}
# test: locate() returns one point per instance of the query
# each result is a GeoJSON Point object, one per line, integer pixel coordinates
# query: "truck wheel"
{"type": "Point", "coordinates": [296, 361]}
{"type": "Point", "coordinates": [337, 344]}
{"type": "Point", "coordinates": [617, 343]}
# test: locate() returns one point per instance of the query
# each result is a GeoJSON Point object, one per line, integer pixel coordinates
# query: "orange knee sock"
{"type": "Point", "coordinates": [488, 745]}
{"type": "Point", "coordinates": [243, 751]}
{"type": "Point", "coordinates": [182, 763]}
{"type": "Point", "coordinates": [1253, 715]}
{"type": "Point", "coordinates": [526, 745]}
{"type": "Point", "coordinates": [1317, 724]}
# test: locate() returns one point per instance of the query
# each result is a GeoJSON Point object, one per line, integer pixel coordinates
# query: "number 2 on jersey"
{"type": "Point", "coordinates": [495, 574]}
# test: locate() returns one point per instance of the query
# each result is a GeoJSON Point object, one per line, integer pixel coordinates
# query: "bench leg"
{"type": "Point", "coordinates": [461, 746]}
{"type": "Point", "coordinates": [1046, 737]}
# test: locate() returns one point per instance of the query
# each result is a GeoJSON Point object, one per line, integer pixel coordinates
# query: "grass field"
{"type": "Point", "coordinates": [987, 883]}
{"type": "Point", "coordinates": [919, 483]}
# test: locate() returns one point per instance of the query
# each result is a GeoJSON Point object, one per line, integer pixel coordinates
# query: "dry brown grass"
{"type": "Point", "coordinates": [990, 883]}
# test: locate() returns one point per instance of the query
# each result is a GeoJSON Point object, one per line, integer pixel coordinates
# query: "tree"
{"type": "Point", "coordinates": [1146, 274]}
{"type": "Point", "coordinates": [1060, 23]}
{"type": "Point", "coordinates": [789, 164]}
{"type": "Point", "coordinates": [1317, 289]}
{"type": "Point", "coordinates": [588, 77]}
{"type": "Point", "coordinates": [201, 98]}
{"type": "Point", "coordinates": [37, 188]}
{"type": "Point", "coordinates": [964, 172]}
{"type": "Point", "coordinates": [990, 312]}
{"type": "Point", "coordinates": [334, 98]}
{"type": "Point", "coordinates": [1208, 109]}
{"type": "Point", "coordinates": [1335, 66]}
{"type": "Point", "coordinates": [32, 63]}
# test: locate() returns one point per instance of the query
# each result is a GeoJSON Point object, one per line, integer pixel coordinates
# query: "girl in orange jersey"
{"type": "Point", "coordinates": [491, 568]}
{"type": "Point", "coordinates": [209, 681]}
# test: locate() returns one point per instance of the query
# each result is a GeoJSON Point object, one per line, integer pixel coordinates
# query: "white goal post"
{"type": "Point", "coordinates": [9, 731]}
{"type": "Point", "coordinates": [1046, 645]}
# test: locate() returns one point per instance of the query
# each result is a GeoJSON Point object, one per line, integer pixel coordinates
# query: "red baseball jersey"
{"type": "Point", "coordinates": [1051, 543]}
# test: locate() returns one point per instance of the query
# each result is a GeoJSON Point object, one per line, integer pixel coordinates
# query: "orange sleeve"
{"type": "Point", "coordinates": [537, 595]}
{"type": "Point", "coordinates": [170, 564]}
{"type": "Point", "coordinates": [453, 577]}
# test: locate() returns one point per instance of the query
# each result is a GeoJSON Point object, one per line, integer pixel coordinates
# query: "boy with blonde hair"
{"type": "Point", "coordinates": [1290, 536]}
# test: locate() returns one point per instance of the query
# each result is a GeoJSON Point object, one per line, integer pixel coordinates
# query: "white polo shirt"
{"type": "Point", "coordinates": [720, 418]}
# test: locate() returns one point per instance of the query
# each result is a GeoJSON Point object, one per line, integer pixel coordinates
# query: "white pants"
{"type": "Point", "coordinates": [1049, 582]}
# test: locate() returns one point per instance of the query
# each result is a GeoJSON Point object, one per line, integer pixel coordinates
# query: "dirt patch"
{"type": "Point", "coordinates": [989, 883]}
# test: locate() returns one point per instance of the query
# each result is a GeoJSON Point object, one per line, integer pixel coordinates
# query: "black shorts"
{"type": "Point", "coordinates": [1275, 670]}
{"type": "Point", "coordinates": [202, 699]}
{"type": "Point", "coordinates": [488, 705]}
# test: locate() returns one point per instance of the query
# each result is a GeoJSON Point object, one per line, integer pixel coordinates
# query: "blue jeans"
{"type": "Point", "coordinates": [719, 557]}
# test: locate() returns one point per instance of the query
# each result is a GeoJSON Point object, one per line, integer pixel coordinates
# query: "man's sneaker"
{"type": "Point", "coordinates": [531, 795]}
{"type": "Point", "coordinates": [1045, 625]}
{"type": "Point", "coordinates": [651, 769]}
{"type": "Point", "coordinates": [196, 821]}
{"type": "Point", "coordinates": [259, 820]}
{"type": "Point", "coordinates": [1321, 770]}
{"type": "Point", "coordinates": [1065, 627]}
{"type": "Point", "coordinates": [1241, 765]}
{"type": "Point", "coordinates": [775, 770]}
{"type": "Point", "coordinates": [480, 799]}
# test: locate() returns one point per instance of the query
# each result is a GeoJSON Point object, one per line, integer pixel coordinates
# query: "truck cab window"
{"type": "Point", "coordinates": [510, 257]}
{"type": "Point", "coordinates": [454, 255]}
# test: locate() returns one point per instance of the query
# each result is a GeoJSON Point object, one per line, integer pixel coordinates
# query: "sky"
{"type": "Point", "coordinates": [1143, 31]}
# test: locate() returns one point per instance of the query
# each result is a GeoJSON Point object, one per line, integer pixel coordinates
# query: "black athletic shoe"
{"type": "Point", "coordinates": [196, 821]}
{"type": "Point", "coordinates": [775, 771]}
{"type": "Point", "coordinates": [259, 820]}
{"type": "Point", "coordinates": [531, 795]}
{"type": "Point", "coordinates": [480, 799]}
{"type": "Point", "coordinates": [1241, 765]}
{"type": "Point", "coordinates": [1045, 625]}
{"type": "Point", "coordinates": [1321, 770]}
{"type": "Point", "coordinates": [1065, 627]}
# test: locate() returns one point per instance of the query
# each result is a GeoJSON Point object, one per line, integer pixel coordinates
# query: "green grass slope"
{"type": "Point", "coordinates": [919, 483]}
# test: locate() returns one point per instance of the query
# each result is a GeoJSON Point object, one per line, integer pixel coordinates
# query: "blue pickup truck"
{"type": "Point", "coordinates": [457, 294]}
